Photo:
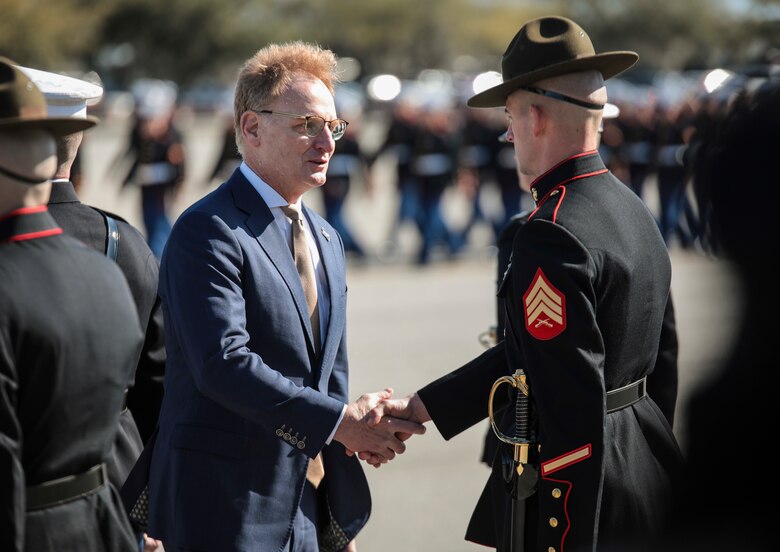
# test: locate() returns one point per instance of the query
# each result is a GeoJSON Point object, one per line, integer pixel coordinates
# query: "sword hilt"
{"type": "Point", "coordinates": [520, 439]}
{"type": "Point", "coordinates": [521, 418]}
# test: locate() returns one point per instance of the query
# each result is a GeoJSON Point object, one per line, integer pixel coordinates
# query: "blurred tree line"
{"type": "Point", "coordinates": [190, 41]}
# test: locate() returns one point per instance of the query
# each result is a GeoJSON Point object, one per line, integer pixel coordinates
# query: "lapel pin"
{"type": "Point", "coordinates": [325, 234]}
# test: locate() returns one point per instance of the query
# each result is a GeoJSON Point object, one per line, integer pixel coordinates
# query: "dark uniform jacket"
{"type": "Point", "coordinates": [662, 386]}
{"type": "Point", "coordinates": [69, 334]}
{"type": "Point", "coordinates": [141, 270]}
{"type": "Point", "coordinates": [585, 295]}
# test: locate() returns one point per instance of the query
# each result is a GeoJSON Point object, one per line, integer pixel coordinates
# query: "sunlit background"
{"type": "Point", "coordinates": [199, 44]}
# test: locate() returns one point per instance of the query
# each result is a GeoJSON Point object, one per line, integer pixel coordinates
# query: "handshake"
{"type": "Point", "coordinates": [375, 426]}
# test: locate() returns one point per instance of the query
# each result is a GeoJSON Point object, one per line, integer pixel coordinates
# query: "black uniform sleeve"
{"type": "Point", "coordinates": [459, 399]}
{"type": "Point", "coordinates": [662, 381]}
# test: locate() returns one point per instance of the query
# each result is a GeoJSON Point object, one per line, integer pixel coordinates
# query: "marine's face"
{"type": "Point", "coordinates": [519, 132]}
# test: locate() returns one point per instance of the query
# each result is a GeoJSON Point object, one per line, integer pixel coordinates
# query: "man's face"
{"type": "Point", "coordinates": [286, 157]}
{"type": "Point", "coordinates": [519, 133]}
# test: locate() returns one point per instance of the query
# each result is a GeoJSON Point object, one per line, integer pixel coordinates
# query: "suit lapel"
{"type": "Point", "coordinates": [328, 245]}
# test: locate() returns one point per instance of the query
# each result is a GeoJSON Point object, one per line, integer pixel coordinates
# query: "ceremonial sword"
{"type": "Point", "coordinates": [522, 479]}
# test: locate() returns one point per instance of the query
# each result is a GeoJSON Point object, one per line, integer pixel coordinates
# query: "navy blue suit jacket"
{"type": "Point", "coordinates": [247, 403]}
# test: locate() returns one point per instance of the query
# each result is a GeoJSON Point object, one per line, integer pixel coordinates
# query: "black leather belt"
{"type": "Point", "coordinates": [626, 395]}
{"type": "Point", "coordinates": [66, 489]}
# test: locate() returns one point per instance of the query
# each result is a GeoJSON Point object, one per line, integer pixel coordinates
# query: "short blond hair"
{"type": "Point", "coordinates": [270, 72]}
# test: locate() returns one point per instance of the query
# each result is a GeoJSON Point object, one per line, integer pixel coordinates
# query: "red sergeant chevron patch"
{"type": "Point", "coordinates": [544, 307]}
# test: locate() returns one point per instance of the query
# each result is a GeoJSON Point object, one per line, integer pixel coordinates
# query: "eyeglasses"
{"type": "Point", "coordinates": [561, 97]}
{"type": "Point", "coordinates": [313, 124]}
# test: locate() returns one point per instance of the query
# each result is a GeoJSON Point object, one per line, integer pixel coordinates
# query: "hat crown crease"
{"type": "Point", "coordinates": [547, 47]}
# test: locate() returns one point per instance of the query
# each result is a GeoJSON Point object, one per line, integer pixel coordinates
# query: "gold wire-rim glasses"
{"type": "Point", "coordinates": [314, 124]}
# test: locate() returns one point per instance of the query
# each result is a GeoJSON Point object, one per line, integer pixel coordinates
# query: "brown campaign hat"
{"type": "Point", "coordinates": [23, 105]}
{"type": "Point", "coordinates": [548, 47]}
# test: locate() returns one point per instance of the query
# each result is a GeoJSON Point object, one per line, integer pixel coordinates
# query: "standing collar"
{"type": "Point", "coordinates": [27, 223]}
{"type": "Point", "coordinates": [578, 166]}
{"type": "Point", "coordinates": [63, 191]}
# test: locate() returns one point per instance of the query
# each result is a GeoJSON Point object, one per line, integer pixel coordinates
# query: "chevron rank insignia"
{"type": "Point", "coordinates": [544, 307]}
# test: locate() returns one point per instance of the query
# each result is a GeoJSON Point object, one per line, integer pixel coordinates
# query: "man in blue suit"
{"type": "Point", "coordinates": [256, 441]}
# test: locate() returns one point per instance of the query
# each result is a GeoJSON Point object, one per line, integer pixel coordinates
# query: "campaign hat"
{"type": "Point", "coordinates": [548, 47]}
{"type": "Point", "coordinates": [23, 105]}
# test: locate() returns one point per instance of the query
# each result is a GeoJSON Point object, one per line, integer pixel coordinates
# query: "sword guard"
{"type": "Point", "coordinates": [518, 381]}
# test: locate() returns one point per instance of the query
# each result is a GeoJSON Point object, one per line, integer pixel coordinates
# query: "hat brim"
{"type": "Point", "coordinates": [609, 64]}
{"type": "Point", "coordinates": [57, 126]}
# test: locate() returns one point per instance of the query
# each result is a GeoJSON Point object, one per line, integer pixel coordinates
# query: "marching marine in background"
{"type": "Point", "coordinates": [585, 297]}
{"type": "Point", "coordinates": [348, 166]}
{"type": "Point", "coordinates": [69, 342]}
{"type": "Point", "coordinates": [157, 151]}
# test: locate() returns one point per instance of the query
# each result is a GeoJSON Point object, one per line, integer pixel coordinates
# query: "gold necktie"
{"type": "Point", "coordinates": [303, 262]}
{"type": "Point", "coordinates": [305, 268]}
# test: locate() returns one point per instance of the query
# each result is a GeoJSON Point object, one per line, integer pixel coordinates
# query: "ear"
{"type": "Point", "coordinates": [249, 123]}
{"type": "Point", "coordinates": [538, 119]}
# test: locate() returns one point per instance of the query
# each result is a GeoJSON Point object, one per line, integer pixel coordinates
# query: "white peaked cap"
{"type": "Point", "coordinates": [154, 97]}
{"type": "Point", "coordinates": [65, 96]}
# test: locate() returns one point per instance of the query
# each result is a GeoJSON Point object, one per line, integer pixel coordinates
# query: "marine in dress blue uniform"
{"type": "Point", "coordinates": [585, 297]}
{"type": "Point", "coordinates": [69, 334]}
{"type": "Point", "coordinates": [70, 97]}
{"type": "Point", "coordinates": [113, 236]}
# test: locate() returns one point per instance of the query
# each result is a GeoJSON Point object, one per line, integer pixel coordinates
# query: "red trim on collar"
{"type": "Point", "coordinates": [562, 188]}
{"type": "Point", "coordinates": [555, 211]}
{"type": "Point", "coordinates": [34, 235]}
{"type": "Point", "coordinates": [25, 211]}
{"type": "Point", "coordinates": [583, 154]}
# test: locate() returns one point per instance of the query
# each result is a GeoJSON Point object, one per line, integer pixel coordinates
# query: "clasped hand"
{"type": "Point", "coordinates": [376, 426]}
{"type": "Point", "coordinates": [376, 433]}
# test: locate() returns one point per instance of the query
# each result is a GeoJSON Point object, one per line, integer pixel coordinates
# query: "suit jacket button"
{"type": "Point", "coordinates": [294, 439]}
{"type": "Point", "coordinates": [280, 431]}
{"type": "Point", "coordinates": [286, 437]}
{"type": "Point", "coordinates": [556, 493]}
{"type": "Point", "coordinates": [553, 522]}
{"type": "Point", "coordinates": [302, 443]}
{"type": "Point", "coordinates": [551, 549]}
